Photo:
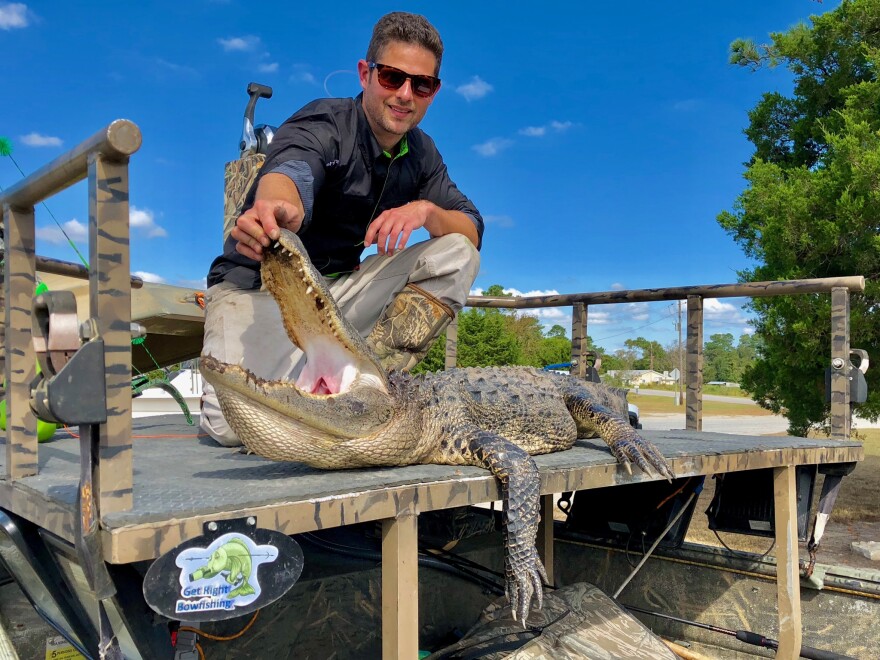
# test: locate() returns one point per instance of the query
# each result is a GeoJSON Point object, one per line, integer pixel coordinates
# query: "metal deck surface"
{"type": "Point", "coordinates": [182, 480]}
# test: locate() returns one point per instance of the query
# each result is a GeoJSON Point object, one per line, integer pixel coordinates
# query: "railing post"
{"type": "Point", "coordinates": [694, 367]}
{"type": "Point", "coordinates": [579, 339]}
{"type": "Point", "coordinates": [110, 306]}
{"type": "Point", "coordinates": [20, 368]}
{"type": "Point", "coordinates": [452, 344]}
{"type": "Point", "coordinates": [841, 412]}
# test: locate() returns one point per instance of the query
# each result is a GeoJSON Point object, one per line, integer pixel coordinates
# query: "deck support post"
{"type": "Point", "coordinates": [19, 367]}
{"type": "Point", "coordinates": [694, 368]}
{"type": "Point", "coordinates": [788, 594]}
{"type": "Point", "coordinates": [579, 340]}
{"type": "Point", "coordinates": [545, 536]}
{"type": "Point", "coordinates": [400, 586]}
{"type": "Point", "coordinates": [110, 307]}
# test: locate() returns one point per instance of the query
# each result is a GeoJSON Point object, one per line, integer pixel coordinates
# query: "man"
{"type": "Point", "coordinates": [346, 174]}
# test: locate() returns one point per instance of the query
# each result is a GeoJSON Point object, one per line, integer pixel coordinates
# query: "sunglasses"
{"type": "Point", "coordinates": [392, 78]}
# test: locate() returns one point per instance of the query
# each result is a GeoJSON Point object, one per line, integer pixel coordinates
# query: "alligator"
{"type": "Point", "coordinates": [345, 411]}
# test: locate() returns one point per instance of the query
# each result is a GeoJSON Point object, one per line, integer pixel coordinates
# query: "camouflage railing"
{"type": "Point", "coordinates": [839, 359]}
{"type": "Point", "coordinates": [104, 160]}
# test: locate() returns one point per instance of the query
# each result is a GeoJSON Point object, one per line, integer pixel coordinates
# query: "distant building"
{"type": "Point", "coordinates": [639, 377]}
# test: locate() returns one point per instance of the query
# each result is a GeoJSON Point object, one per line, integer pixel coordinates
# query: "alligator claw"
{"type": "Point", "coordinates": [523, 583]}
{"type": "Point", "coordinates": [632, 448]}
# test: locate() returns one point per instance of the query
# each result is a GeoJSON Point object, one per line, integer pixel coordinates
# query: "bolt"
{"type": "Point", "coordinates": [837, 363]}
{"type": "Point", "coordinates": [251, 521]}
{"type": "Point", "coordinates": [212, 526]}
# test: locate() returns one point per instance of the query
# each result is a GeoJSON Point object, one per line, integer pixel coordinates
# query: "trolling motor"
{"type": "Point", "coordinates": [255, 139]}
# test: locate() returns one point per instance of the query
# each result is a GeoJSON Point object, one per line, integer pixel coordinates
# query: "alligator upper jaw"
{"type": "Point", "coordinates": [342, 389]}
{"type": "Point", "coordinates": [335, 351]}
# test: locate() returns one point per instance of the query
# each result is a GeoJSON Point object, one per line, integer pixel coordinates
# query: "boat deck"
{"type": "Point", "coordinates": [182, 480]}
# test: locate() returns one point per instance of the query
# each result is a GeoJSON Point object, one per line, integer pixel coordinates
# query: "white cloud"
{"type": "Point", "coordinates": [723, 313]}
{"type": "Point", "coordinates": [600, 318]}
{"type": "Point", "coordinates": [13, 15]}
{"type": "Point", "coordinates": [477, 88]}
{"type": "Point", "coordinates": [144, 219]}
{"type": "Point", "coordinates": [492, 147]}
{"type": "Point", "coordinates": [149, 277]}
{"type": "Point", "coordinates": [533, 131]}
{"type": "Point", "coordinates": [40, 140]}
{"type": "Point", "coordinates": [268, 67]}
{"type": "Point", "coordinates": [301, 74]}
{"type": "Point", "coordinates": [561, 126]}
{"type": "Point", "coordinates": [241, 44]}
{"type": "Point", "coordinates": [76, 230]}
{"type": "Point", "coordinates": [504, 221]}
{"type": "Point", "coordinates": [541, 131]}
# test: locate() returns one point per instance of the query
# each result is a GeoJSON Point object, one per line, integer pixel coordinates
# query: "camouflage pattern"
{"type": "Point", "coordinates": [408, 327]}
{"type": "Point", "coordinates": [694, 364]}
{"type": "Point", "coordinates": [20, 367]}
{"type": "Point", "coordinates": [578, 622]}
{"type": "Point", "coordinates": [110, 306]}
{"type": "Point", "coordinates": [451, 348]}
{"type": "Point", "coordinates": [841, 417]}
{"type": "Point", "coordinates": [579, 340]}
{"type": "Point", "coordinates": [239, 177]}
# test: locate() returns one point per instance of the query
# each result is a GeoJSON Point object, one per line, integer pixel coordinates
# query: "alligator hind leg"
{"type": "Point", "coordinates": [520, 493]}
{"type": "Point", "coordinates": [593, 418]}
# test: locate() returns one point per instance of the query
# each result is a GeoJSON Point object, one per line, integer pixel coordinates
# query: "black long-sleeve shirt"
{"type": "Point", "coordinates": [345, 180]}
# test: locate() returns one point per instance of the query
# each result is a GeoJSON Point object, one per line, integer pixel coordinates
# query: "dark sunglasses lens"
{"type": "Point", "coordinates": [423, 85]}
{"type": "Point", "coordinates": [391, 78]}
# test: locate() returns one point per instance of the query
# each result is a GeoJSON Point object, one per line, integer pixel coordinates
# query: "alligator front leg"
{"type": "Point", "coordinates": [520, 494]}
{"type": "Point", "coordinates": [623, 440]}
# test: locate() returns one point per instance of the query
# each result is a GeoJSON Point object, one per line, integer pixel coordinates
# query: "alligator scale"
{"type": "Point", "coordinates": [345, 411]}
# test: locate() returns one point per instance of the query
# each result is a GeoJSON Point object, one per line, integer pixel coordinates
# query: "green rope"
{"type": "Point", "coordinates": [6, 150]}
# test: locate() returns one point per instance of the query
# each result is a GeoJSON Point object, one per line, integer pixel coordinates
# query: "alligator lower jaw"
{"type": "Point", "coordinates": [357, 410]}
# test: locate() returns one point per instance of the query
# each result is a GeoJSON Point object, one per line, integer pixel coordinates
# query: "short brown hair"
{"type": "Point", "coordinates": [408, 28]}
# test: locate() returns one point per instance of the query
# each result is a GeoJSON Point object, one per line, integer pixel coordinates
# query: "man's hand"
{"type": "Point", "coordinates": [259, 226]}
{"type": "Point", "coordinates": [392, 229]}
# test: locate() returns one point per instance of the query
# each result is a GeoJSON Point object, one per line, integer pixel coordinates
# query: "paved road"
{"type": "Point", "coordinates": [738, 424]}
{"type": "Point", "coordinates": [706, 397]}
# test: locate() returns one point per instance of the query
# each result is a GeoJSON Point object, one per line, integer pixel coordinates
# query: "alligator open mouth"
{"type": "Point", "coordinates": [336, 354]}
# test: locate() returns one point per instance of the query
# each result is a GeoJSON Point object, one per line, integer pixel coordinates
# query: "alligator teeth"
{"type": "Point", "coordinates": [277, 243]}
{"type": "Point", "coordinates": [309, 290]}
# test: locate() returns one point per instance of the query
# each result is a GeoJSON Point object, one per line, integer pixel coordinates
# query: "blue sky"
{"type": "Point", "coordinates": [599, 140]}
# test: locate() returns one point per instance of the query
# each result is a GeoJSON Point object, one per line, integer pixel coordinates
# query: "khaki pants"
{"type": "Point", "coordinates": [244, 326]}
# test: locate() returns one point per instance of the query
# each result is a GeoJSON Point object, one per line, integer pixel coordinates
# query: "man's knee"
{"type": "Point", "coordinates": [212, 421]}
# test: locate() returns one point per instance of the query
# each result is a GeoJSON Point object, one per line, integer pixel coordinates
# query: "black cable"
{"type": "Point", "coordinates": [746, 636]}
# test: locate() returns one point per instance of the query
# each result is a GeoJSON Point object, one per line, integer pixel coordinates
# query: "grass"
{"type": "Point", "coordinates": [665, 404]}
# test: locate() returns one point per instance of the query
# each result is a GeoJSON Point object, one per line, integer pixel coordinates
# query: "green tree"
{"type": "Point", "coordinates": [812, 203]}
{"type": "Point", "coordinates": [653, 355]}
{"type": "Point", "coordinates": [720, 358]}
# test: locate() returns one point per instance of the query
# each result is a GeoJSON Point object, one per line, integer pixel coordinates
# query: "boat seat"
{"type": "Point", "coordinates": [577, 622]}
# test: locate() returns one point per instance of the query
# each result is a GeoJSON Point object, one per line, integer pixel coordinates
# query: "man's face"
{"type": "Point", "coordinates": [393, 112]}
